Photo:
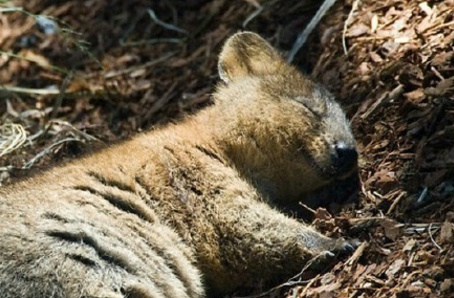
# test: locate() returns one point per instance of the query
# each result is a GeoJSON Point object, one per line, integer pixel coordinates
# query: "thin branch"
{"type": "Point", "coordinates": [58, 102]}
{"type": "Point", "coordinates": [433, 240]}
{"type": "Point", "coordinates": [301, 40]}
{"type": "Point", "coordinates": [50, 66]}
{"type": "Point", "coordinates": [252, 16]}
{"type": "Point", "coordinates": [46, 151]}
{"type": "Point", "coordinates": [296, 280]}
{"type": "Point", "coordinates": [32, 91]}
{"type": "Point", "coordinates": [347, 22]}
{"type": "Point", "coordinates": [151, 42]}
{"type": "Point", "coordinates": [142, 66]}
{"type": "Point", "coordinates": [396, 202]}
{"type": "Point", "coordinates": [168, 26]}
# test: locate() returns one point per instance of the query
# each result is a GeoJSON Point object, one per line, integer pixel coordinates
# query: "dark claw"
{"type": "Point", "coordinates": [347, 246]}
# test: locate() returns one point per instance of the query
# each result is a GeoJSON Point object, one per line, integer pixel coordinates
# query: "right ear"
{"type": "Point", "coordinates": [245, 54]}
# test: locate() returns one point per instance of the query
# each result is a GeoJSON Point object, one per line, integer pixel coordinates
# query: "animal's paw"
{"type": "Point", "coordinates": [320, 261]}
{"type": "Point", "coordinates": [345, 246]}
{"type": "Point", "coordinates": [338, 247]}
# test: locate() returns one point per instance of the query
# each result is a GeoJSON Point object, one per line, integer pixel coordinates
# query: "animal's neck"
{"type": "Point", "coordinates": [250, 147]}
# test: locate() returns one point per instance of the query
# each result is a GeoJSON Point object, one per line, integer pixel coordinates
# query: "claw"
{"type": "Point", "coordinates": [348, 246]}
{"type": "Point", "coordinates": [327, 254]}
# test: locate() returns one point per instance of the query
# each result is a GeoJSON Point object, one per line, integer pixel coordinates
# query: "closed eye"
{"type": "Point", "coordinates": [315, 110]}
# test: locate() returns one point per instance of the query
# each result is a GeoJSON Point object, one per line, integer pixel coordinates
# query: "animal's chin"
{"type": "Point", "coordinates": [341, 185]}
{"type": "Point", "coordinates": [335, 194]}
{"type": "Point", "coordinates": [330, 172]}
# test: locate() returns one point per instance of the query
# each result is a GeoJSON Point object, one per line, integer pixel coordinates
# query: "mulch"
{"type": "Point", "coordinates": [99, 71]}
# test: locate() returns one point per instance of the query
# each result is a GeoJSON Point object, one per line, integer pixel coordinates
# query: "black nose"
{"type": "Point", "coordinates": [344, 157]}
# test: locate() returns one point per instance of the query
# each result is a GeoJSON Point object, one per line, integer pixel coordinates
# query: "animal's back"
{"type": "Point", "coordinates": [80, 231]}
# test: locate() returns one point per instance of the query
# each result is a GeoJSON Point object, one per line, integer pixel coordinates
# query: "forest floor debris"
{"type": "Point", "coordinates": [72, 72]}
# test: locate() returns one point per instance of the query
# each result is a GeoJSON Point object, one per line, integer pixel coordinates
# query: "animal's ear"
{"type": "Point", "coordinates": [247, 53]}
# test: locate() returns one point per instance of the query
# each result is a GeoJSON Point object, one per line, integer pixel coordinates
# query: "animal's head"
{"type": "Point", "coordinates": [289, 135]}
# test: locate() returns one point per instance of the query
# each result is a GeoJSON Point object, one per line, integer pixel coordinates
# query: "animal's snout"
{"type": "Point", "coordinates": [344, 157]}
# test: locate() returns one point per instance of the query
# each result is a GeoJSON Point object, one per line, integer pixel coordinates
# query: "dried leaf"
{"type": "Point", "coordinates": [394, 268]}
{"type": "Point", "coordinates": [447, 285]}
{"type": "Point", "coordinates": [446, 233]}
{"type": "Point", "coordinates": [442, 88]}
{"type": "Point", "coordinates": [410, 245]}
{"type": "Point", "coordinates": [416, 96]}
{"type": "Point", "coordinates": [329, 288]}
{"type": "Point", "coordinates": [36, 58]}
{"type": "Point", "coordinates": [374, 23]}
{"type": "Point", "coordinates": [358, 30]}
{"type": "Point", "coordinates": [392, 228]}
{"type": "Point", "coordinates": [323, 214]}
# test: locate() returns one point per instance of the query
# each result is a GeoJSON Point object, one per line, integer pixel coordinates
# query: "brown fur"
{"type": "Point", "coordinates": [187, 207]}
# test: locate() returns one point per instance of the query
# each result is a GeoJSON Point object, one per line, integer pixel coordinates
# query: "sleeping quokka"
{"type": "Point", "coordinates": [189, 209]}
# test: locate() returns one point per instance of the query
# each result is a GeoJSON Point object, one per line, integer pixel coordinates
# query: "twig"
{"type": "Point", "coordinates": [131, 27]}
{"type": "Point", "coordinates": [7, 90]}
{"type": "Point", "coordinates": [395, 202]}
{"type": "Point", "coordinates": [164, 24]}
{"type": "Point", "coordinates": [420, 227]}
{"type": "Point", "coordinates": [347, 22]}
{"type": "Point", "coordinates": [435, 27]}
{"type": "Point", "coordinates": [309, 284]}
{"type": "Point", "coordinates": [46, 151]}
{"type": "Point", "coordinates": [50, 66]}
{"type": "Point", "coordinates": [437, 73]}
{"type": "Point", "coordinates": [295, 280]}
{"type": "Point", "coordinates": [59, 100]}
{"type": "Point", "coordinates": [25, 90]}
{"type": "Point", "coordinates": [137, 67]}
{"type": "Point", "coordinates": [252, 16]}
{"type": "Point", "coordinates": [12, 9]}
{"type": "Point", "coordinates": [422, 196]}
{"type": "Point", "coordinates": [6, 168]}
{"type": "Point", "coordinates": [433, 240]}
{"type": "Point", "coordinates": [307, 208]}
{"type": "Point", "coordinates": [84, 135]}
{"type": "Point", "coordinates": [357, 254]}
{"type": "Point", "coordinates": [309, 28]}
{"type": "Point", "coordinates": [151, 42]}
{"type": "Point", "coordinates": [387, 97]}
{"type": "Point", "coordinates": [208, 18]}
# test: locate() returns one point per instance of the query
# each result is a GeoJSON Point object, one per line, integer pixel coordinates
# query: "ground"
{"type": "Point", "coordinates": [99, 71]}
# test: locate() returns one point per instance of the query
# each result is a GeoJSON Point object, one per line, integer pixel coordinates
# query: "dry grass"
{"type": "Point", "coordinates": [12, 137]}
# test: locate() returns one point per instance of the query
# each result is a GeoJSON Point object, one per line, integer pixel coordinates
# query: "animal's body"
{"type": "Point", "coordinates": [190, 206]}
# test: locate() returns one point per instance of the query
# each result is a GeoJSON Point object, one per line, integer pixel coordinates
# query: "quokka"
{"type": "Point", "coordinates": [189, 209]}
